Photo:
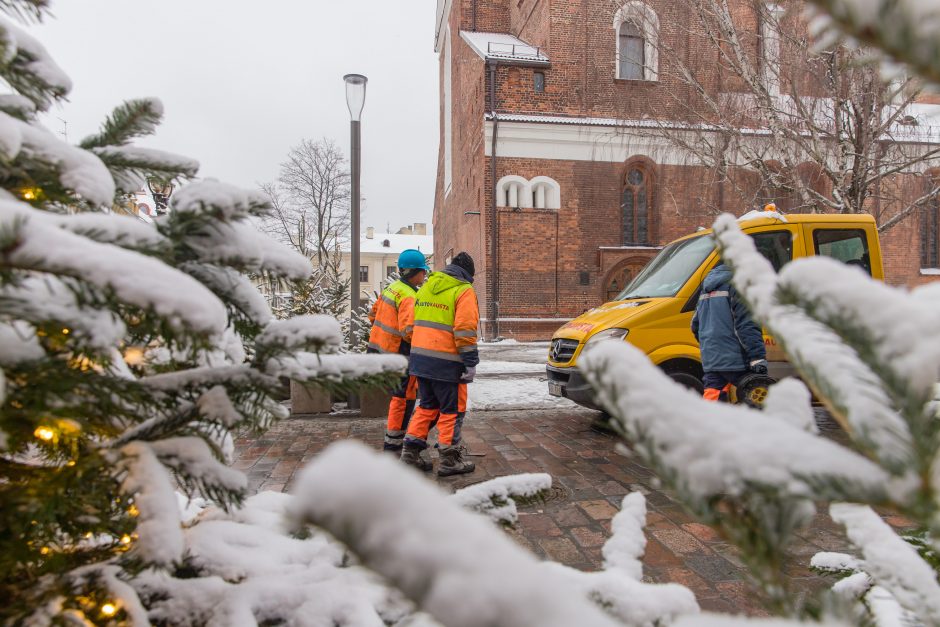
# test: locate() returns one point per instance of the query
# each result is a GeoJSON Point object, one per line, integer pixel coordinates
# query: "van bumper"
{"type": "Point", "coordinates": [569, 383]}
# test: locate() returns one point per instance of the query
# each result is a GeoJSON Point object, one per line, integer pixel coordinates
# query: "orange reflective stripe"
{"type": "Point", "coordinates": [462, 397]}
{"type": "Point", "coordinates": [406, 317]}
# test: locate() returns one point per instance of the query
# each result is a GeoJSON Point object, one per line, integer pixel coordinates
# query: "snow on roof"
{"type": "Point", "coordinates": [504, 47]}
{"type": "Point", "coordinates": [397, 242]}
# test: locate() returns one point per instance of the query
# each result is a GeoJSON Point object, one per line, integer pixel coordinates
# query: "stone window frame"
{"type": "Point", "coordinates": [645, 19]}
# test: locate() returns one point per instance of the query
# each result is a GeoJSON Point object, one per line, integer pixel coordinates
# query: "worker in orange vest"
{"type": "Point", "coordinates": [393, 318]}
{"type": "Point", "coordinates": [444, 357]}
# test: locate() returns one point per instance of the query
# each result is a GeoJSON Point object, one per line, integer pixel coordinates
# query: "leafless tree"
{"type": "Point", "coordinates": [310, 201]}
{"type": "Point", "coordinates": [774, 119]}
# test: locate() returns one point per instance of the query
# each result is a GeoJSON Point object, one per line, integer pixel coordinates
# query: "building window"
{"type": "Point", "coordinates": [390, 270]}
{"type": "Point", "coordinates": [538, 80]}
{"type": "Point", "coordinates": [634, 207]}
{"type": "Point", "coordinates": [636, 30]}
{"type": "Point", "coordinates": [546, 193]}
{"type": "Point", "coordinates": [632, 57]}
{"type": "Point", "coordinates": [541, 192]}
{"type": "Point", "coordinates": [363, 274]}
{"type": "Point", "coordinates": [930, 233]}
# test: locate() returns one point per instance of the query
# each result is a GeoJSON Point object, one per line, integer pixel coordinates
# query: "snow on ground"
{"type": "Point", "coordinates": [499, 386]}
{"type": "Point", "coordinates": [489, 394]}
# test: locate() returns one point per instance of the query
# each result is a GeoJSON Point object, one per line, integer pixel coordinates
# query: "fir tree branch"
{"type": "Point", "coordinates": [133, 118]}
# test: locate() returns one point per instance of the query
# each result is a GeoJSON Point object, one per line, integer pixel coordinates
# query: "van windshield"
{"type": "Point", "coordinates": [670, 269]}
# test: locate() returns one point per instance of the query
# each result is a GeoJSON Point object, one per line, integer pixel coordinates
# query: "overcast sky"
{"type": "Point", "coordinates": [243, 81]}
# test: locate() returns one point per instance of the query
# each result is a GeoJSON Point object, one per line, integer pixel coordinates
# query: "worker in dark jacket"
{"type": "Point", "coordinates": [732, 343]}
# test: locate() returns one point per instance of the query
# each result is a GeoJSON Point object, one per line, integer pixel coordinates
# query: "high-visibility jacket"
{"type": "Point", "coordinates": [446, 319]}
{"type": "Point", "coordinates": [393, 318]}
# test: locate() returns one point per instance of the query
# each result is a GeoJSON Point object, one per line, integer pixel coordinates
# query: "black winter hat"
{"type": "Point", "coordinates": [465, 261]}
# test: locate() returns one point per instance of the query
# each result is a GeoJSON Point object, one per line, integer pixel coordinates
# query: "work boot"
{"type": "Point", "coordinates": [453, 463]}
{"type": "Point", "coordinates": [411, 456]}
{"type": "Point", "coordinates": [393, 443]}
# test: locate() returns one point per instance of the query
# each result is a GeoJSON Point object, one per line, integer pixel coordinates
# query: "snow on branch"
{"type": "Point", "coordinates": [627, 543]}
{"type": "Point", "coordinates": [130, 166]}
{"type": "Point", "coordinates": [727, 620]}
{"type": "Point", "coordinates": [147, 481]}
{"type": "Point", "coordinates": [113, 228]}
{"type": "Point", "coordinates": [78, 170]}
{"type": "Point", "coordinates": [196, 466]}
{"type": "Point", "coordinates": [41, 245]}
{"type": "Point", "coordinates": [28, 68]}
{"type": "Point", "coordinates": [44, 300]}
{"type": "Point", "coordinates": [851, 390]}
{"type": "Point", "coordinates": [714, 449]}
{"type": "Point", "coordinates": [890, 561]}
{"type": "Point", "coordinates": [907, 30]}
{"type": "Point", "coordinates": [216, 406]}
{"type": "Point", "coordinates": [19, 344]}
{"type": "Point", "coordinates": [232, 287]}
{"type": "Point", "coordinates": [241, 245]}
{"type": "Point", "coordinates": [903, 333]}
{"type": "Point", "coordinates": [317, 333]}
{"type": "Point", "coordinates": [454, 564]}
{"type": "Point", "coordinates": [497, 497]}
{"type": "Point", "coordinates": [334, 368]}
{"type": "Point", "coordinates": [228, 202]}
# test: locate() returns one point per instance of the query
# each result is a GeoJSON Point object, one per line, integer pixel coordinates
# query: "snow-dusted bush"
{"type": "Point", "coordinates": [871, 354]}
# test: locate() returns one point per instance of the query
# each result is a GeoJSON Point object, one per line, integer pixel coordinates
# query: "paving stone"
{"type": "Point", "coordinates": [703, 532]}
{"type": "Point", "coordinates": [570, 516]}
{"type": "Point", "coordinates": [598, 510]}
{"type": "Point", "coordinates": [587, 537]}
{"type": "Point", "coordinates": [561, 550]}
{"type": "Point", "coordinates": [679, 541]}
{"type": "Point", "coordinates": [712, 568]}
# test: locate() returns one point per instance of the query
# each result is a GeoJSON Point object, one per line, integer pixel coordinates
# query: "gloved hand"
{"type": "Point", "coordinates": [759, 366]}
{"type": "Point", "coordinates": [468, 374]}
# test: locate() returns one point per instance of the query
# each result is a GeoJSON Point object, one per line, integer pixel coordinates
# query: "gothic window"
{"type": "Point", "coordinates": [636, 28]}
{"type": "Point", "coordinates": [632, 57]}
{"type": "Point", "coordinates": [930, 233]}
{"type": "Point", "coordinates": [635, 207]}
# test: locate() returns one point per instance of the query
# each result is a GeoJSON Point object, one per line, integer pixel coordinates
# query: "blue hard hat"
{"type": "Point", "coordinates": [412, 258]}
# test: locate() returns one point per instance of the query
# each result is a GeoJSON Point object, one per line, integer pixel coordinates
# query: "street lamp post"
{"type": "Point", "coordinates": [161, 191]}
{"type": "Point", "coordinates": [355, 99]}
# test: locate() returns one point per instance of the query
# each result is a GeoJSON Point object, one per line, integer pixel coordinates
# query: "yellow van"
{"type": "Point", "coordinates": [654, 311]}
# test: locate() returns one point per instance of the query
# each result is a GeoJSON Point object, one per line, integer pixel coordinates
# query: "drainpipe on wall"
{"type": "Point", "coordinates": [473, 24]}
{"type": "Point", "coordinates": [494, 226]}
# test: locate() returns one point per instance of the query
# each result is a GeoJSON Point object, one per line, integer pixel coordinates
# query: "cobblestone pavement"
{"type": "Point", "coordinates": [590, 479]}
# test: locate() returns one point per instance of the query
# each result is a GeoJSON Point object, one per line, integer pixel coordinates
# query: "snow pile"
{"type": "Point", "coordinates": [452, 563]}
{"type": "Point", "coordinates": [493, 394]}
{"type": "Point", "coordinates": [734, 448]}
{"type": "Point", "coordinates": [496, 497]}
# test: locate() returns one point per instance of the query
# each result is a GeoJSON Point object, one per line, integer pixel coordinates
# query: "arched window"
{"type": "Point", "coordinates": [635, 206]}
{"type": "Point", "coordinates": [632, 54]}
{"type": "Point", "coordinates": [636, 28]}
{"type": "Point", "coordinates": [546, 193]}
{"type": "Point", "coordinates": [513, 191]}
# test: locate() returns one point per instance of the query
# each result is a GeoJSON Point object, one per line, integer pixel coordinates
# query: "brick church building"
{"type": "Point", "coordinates": [554, 173]}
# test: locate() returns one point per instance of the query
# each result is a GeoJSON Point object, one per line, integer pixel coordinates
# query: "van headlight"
{"type": "Point", "coordinates": [608, 334]}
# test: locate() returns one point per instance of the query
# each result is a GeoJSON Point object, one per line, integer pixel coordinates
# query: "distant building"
{"type": "Point", "coordinates": [378, 254]}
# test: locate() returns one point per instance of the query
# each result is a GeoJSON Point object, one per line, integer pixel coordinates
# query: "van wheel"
{"type": "Point", "coordinates": [687, 379]}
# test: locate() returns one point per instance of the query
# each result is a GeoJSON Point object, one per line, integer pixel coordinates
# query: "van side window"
{"type": "Point", "coordinates": [847, 245]}
{"type": "Point", "coordinates": [776, 246]}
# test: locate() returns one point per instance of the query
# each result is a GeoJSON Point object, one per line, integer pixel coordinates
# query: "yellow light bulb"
{"type": "Point", "coordinates": [45, 550]}
{"type": "Point", "coordinates": [44, 433]}
{"type": "Point", "coordinates": [29, 194]}
{"type": "Point", "coordinates": [134, 356]}
{"type": "Point", "coordinates": [65, 331]}
{"type": "Point", "coordinates": [71, 462]}
{"type": "Point", "coordinates": [125, 539]}
{"type": "Point", "coordinates": [109, 609]}
{"type": "Point", "coordinates": [133, 511]}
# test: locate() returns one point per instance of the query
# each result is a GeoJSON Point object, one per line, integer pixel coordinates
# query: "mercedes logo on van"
{"type": "Point", "coordinates": [556, 350]}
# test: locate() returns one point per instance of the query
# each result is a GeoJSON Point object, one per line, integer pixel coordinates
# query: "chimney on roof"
{"type": "Point", "coordinates": [405, 230]}
{"type": "Point", "coordinates": [421, 228]}
{"type": "Point", "coordinates": [370, 232]}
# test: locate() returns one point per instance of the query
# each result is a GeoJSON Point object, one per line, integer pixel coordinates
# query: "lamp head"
{"type": "Point", "coordinates": [355, 94]}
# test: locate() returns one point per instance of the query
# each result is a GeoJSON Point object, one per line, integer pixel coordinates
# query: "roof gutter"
{"type": "Point", "coordinates": [494, 224]}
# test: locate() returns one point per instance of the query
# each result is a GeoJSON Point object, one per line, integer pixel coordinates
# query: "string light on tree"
{"type": "Point", "coordinates": [45, 434]}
